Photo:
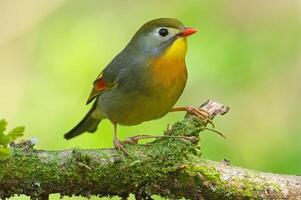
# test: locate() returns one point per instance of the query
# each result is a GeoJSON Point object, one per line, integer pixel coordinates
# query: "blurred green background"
{"type": "Point", "coordinates": [247, 54]}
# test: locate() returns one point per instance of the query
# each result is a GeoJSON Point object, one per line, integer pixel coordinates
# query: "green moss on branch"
{"type": "Point", "coordinates": [169, 167]}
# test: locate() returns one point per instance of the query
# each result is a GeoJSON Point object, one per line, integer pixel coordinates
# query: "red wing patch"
{"type": "Point", "coordinates": [100, 84]}
{"type": "Point", "coordinates": [99, 87]}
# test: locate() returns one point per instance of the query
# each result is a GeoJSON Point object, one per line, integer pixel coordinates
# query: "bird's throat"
{"type": "Point", "coordinates": [170, 66]}
{"type": "Point", "coordinates": [177, 50]}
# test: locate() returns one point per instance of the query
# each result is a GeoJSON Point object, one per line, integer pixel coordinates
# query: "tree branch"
{"type": "Point", "coordinates": [170, 167]}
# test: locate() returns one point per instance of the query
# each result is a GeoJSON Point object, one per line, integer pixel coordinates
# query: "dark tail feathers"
{"type": "Point", "coordinates": [87, 124]}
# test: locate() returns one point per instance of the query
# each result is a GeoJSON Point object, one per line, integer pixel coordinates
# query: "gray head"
{"type": "Point", "coordinates": [158, 34]}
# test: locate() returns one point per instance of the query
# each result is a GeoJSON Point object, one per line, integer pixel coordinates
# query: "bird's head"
{"type": "Point", "coordinates": [159, 34]}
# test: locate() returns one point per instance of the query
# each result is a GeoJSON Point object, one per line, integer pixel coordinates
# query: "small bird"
{"type": "Point", "coordinates": [143, 82]}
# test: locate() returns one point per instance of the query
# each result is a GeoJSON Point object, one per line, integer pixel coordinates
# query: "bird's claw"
{"type": "Point", "coordinates": [131, 140]}
{"type": "Point", "coordinates": [119, 145]}
{"type": "Point", "coordinates": [200, 113]}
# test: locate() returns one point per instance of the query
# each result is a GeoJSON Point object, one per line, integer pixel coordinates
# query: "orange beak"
{"type": "Point", "coordinates": [188, 31]}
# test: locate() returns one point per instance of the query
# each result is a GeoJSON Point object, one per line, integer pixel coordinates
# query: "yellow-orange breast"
{"type": "Point", "coordinates": [169, 76]}
{"type": "Point", "coordinates": [170, 66]}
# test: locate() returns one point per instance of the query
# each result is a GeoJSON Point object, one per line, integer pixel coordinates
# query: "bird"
{"type": "Point", "coordinates": [143, 82]}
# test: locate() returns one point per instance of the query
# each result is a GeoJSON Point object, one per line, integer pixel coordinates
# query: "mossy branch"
{"type": "Point", "coordinates": [169, 167]}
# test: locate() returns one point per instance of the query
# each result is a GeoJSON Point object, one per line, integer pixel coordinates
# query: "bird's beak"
{"type": "Point", "coordinates": [188, 31]}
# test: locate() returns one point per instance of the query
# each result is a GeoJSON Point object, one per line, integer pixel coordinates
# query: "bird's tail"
{"type": "Point", "coordinates": [87, 124]}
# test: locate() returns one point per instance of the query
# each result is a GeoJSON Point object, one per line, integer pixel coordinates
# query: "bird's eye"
{"type": "Point", "coordinates": [163, 32]}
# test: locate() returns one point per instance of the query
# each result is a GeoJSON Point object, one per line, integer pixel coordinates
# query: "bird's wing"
{"type": "Point", "coordinates": [108, 78]}
{"type": "Point", "coordinates": [99, 86]}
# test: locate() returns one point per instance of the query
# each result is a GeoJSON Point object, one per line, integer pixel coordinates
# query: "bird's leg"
{"type": "Point", "coordinates": [199, 112]}
{"type": "Point", "coordinates": [116, 142]}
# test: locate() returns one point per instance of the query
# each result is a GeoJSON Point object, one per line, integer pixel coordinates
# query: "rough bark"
{"type": "Point", "coordinates": [171, 167]}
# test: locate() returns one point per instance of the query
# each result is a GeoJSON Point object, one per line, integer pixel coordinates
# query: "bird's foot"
{"type": "Point", "coordinates": [200, 113]}
{"type": "Point", "coordinates": [119, 145]}
{"type": "Point", "coordinates": [135, 139]}
{"type": "Point", "coordinates": [204, 115]}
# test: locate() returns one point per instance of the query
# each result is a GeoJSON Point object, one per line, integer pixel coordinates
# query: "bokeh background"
{"type": "Point", "coordinates": [247, 54]}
